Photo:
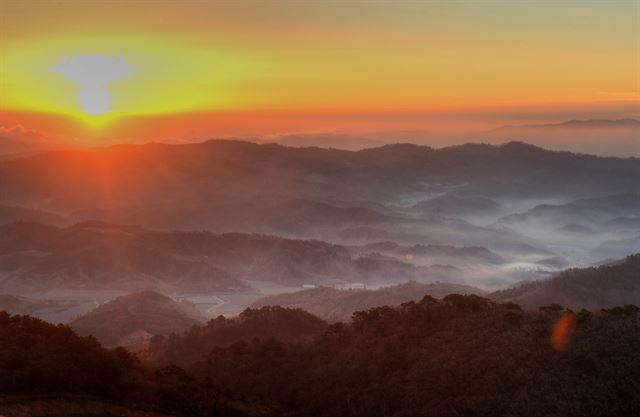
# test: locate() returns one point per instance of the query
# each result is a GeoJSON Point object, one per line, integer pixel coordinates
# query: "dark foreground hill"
{"type": "Point", "coordinates": [49, 371]}
{"type": "Point", "coordinates": [460, 356]}
{"type": "Point", "coordinates": [284, 324]}
{"type": "Point", "coordinates": [131, 320]}
{"type": "Point", "coordinates": [463, 355]}
{"type": "Point", "coordinates": [591, 288]}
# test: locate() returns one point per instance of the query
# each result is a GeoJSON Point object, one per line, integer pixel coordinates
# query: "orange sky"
{"type": "Point", "coordinates": [198, 69]}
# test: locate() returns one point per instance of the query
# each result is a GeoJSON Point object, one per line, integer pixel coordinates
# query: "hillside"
{"type": "Point", "coordinates": [590, 288]}
{"type": "Point", "coordinates": [131, 320]}
{"type": "Point", "coordinates": [269, 215]}
{"type": "Point", "coordinates": [35, 257]}
{"type": "Point", "coordinates": [266, 323]}
{"type": "Point", "coordinates": [473, 355]}
{"type": "Point", "coordinates": [595, 212]}
{"type": "Point", "coordinates": [470, 357]}
{"type": "Point", "coordinates": [586, 230]}
{"type": "Point", "coordinates": [95, 255]}
{"type": "Point", "coordinates": [437, 254]}
{"type": "Point", "coordinates": [49, 370]}
{"type": "Point", "coordinates": [339, 305]}
{"type": "Point", "coordinates": [456, 204]}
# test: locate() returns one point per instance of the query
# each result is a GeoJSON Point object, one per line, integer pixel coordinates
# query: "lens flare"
{"type": "Point", "coordinates": [563, 331]}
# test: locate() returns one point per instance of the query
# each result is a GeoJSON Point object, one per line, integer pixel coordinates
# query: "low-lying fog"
{"type": "Point", "coordinates": [487, 243]}
{"type": "Point", "coordinates": [225, 223]}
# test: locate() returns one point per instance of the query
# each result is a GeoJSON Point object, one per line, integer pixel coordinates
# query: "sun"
{"type": "Point", "coordinates": [97, 80]}
{"type": "Point", "coordinates": [94, 74]}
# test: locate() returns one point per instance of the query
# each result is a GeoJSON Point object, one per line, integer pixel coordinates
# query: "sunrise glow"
{"type": "Point", "coordinates": [348, 61]}
{"type": "Point", "coordinates": [87, 78]}
{"type": "Point", "coordinates": [319, 208]}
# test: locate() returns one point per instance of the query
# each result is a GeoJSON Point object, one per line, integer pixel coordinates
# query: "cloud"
{"type": "Point", "coordinates": [19, 132]}
{"type": "Point", "coordinates": [17, 139]}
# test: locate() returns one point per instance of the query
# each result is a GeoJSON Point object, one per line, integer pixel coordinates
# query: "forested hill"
{"type": "Point", "coordinates": [459, 356]}
{"type": "Point", "coordinates": [48, 370]}
{"type": "Point", "coordinates": [270, 322]}
{"type": "Point", "coordinates": [605, 286]}
{"type": "Point", "coordinates": [462, 356]}
{"type": "Point", "coordinates": [130, 320]}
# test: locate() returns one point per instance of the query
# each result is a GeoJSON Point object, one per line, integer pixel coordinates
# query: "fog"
{"type": "Point", "coordinates": [223, 224]}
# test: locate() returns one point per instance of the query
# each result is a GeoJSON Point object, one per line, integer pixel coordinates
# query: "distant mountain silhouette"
{"type": "Point", "coordinates": [602, 137]}
{"type": "Point", "coordinates": [439, 254]}
{"type": "Point", "coordinates": [586, 124]}
{"type": "Point", "coordinates": [589, 214]}
{"type": "Point", "coordinates": [454, 204]}
{"type": "Point", "coordinates": [576, 229]}
{"type": "Point", "coordinates": [185, 177]}
{"type": "Point", "coordinates": [328, 140]}
{"type": "Point", "coordinates": [616, 247]}
{"type": "Point", "coordinates": [625, 223]}
{"type": "Point", "coordinates": [18, 141]}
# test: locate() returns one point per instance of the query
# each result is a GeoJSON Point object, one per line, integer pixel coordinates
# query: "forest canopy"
{"type": "Point", "coordinates": [462, 355]}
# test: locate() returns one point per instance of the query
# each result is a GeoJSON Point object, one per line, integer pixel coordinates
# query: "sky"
{"type": "Point", "coordinates": [99, 71]}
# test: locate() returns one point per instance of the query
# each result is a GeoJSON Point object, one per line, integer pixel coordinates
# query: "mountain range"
{"type": "Point", "coordinates": [619, 137]}
{"type": "Point", "coordinates": [183, 178]}
{"type": "Point", "coordinates": [94, 255]}
{"type": "Point", "coordinates": [231, 221]}
{"type": "Point", "coordinates": [135, 320]}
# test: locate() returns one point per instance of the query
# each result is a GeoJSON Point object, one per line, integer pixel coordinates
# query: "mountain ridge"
{"type": "Point", "coordinates": [613, 284]}
{"type": "Point", "coordinates": [582, 123]}
{"type": "Point", "coordinates": [242, 170]}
